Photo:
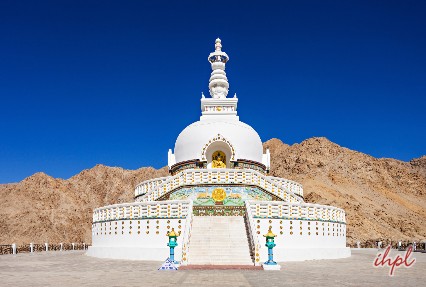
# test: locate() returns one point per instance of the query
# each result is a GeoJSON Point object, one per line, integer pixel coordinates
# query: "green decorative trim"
{"type": "Point", "coordinates": [219, 210]}
{"type": "Point", "coordinates": [297, 218]}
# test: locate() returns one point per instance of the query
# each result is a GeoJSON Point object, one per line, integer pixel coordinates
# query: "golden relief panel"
{"type": "Point", "coordinates": [219, 194]}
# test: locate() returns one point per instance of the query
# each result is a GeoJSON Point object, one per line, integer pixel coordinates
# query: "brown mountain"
{"type": "Point", "coordinates": [41, 208]}
{"type": "Point", "coordinates": [383, 198]}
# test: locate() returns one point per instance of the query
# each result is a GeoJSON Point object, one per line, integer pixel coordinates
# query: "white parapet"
{"type": "Point", "coordinates": [149, 185]}
{"type": "Point", "coordinates": [142, 210]}
{"type": "Point", "coordinates": [290, 185]}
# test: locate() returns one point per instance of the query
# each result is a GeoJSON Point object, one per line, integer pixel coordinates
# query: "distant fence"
{"type": "Point", "coordinates": [400, 245]}
{"type": "Point", "coordinates": [6, 249]}
{"type": "Point", "coordinates": [33, 247]}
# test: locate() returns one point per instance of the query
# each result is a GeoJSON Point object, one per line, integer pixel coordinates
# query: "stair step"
{"type": "Point", "coordinates": [220, 254]}
{"type": "Point", "coordinates": [221, 263]}
{"type": "Point", "coordinates": [220, 240]}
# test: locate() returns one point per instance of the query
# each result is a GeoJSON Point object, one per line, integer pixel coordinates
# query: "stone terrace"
{"type": "Point", "coordinates": [73, 268]}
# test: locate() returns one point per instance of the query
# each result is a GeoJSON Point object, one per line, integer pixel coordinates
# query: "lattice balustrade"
{"type": "Point", "coordinates": [148, 185]}
{"type": "Point", "coordinates": [163, 209]}
{"type": "Point", "coordinates": [277, 209]}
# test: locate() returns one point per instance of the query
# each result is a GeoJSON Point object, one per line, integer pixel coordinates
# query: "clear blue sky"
{"type": "Point", "coordinates": [114, 82]}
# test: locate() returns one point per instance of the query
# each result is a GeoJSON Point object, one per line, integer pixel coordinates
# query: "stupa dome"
{"type": "Point", "coordinates": [235, 138]}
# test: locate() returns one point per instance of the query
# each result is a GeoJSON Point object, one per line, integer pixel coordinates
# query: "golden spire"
{"type": "Point", "coordinates": [269, 234]}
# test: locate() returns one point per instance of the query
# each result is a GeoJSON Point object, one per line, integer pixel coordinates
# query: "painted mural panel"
{"type": "Point", "coordinates": [220, 195]}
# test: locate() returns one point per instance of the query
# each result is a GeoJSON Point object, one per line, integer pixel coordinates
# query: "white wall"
{"type": "Point", "coordinates": [297, 240]}
{"type": "Point", "coordinates": [139, 239]}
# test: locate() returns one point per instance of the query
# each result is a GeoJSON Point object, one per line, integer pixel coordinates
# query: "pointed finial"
{"type": "Point", "coordinates": [218, 84]}
{"type": "Point", "coordinates": [218, 45]}
{"type": "Point", "coordinates": [235, 95]}
{"type": "Point", "coordinates": [202, 95]}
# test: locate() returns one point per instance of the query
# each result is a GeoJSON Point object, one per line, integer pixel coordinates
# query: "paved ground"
{"type": "Point", "coordinates": [75, 269]}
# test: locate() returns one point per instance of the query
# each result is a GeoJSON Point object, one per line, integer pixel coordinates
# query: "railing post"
{"type": "Point", "coordinates": [46, 245]}
{"type": "Point", "coordinates": [13, 248]}
{"type": "Point", "coordinates": [62, 246]}
{"type": "Point", "coordinates": [84, 246]}
{"type": "Point", "coordinates": [73, 245]}
{"type": "Point", "coordinates": [31, 247]}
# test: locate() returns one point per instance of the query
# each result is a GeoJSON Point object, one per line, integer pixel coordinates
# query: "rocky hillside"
{"type": "Point", "coordinates": [383, 198]}
{"type": "Point", "coordinates": [45, 209]}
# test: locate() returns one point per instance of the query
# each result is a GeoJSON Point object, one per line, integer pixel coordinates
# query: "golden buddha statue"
{"type": "Point", "coordinates": [218, 161]}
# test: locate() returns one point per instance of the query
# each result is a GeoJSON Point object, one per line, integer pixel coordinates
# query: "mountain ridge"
{"type": "Point", "coordinates": [383, 198]}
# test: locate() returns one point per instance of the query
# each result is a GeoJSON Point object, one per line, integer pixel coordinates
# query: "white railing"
{"type": "Point", "coordinates": [157, 209]}
{"type": "Point", "coordinates": [292, 186]}
{"type": "Point", "coordinates": [148, 185]}
{"type": "Point", "coordinates": [187, 237]}
{"type": "Point", "coordinates": [254, 239]}
{"type": "Point", "coordinates": [279, 209]}
{"type": "Point", "coordinates": [220, 176]}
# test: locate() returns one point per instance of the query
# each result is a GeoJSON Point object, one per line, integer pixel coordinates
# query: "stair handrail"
{"type": "Point", "coordinates": [154, 181]}
{"type": "Point", "coordinates": [285, 181]}
{"type": "Point", "coordinates": [254, 239]}
{"type": "Point", "coordinates": [187, 235]}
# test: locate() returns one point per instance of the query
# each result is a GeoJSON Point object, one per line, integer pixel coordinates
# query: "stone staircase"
{"type": "Point", "coordinates": [219, 240]}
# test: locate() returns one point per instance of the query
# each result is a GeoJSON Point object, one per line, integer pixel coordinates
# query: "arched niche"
{"type": "Point", "coordinates": [214, 148]}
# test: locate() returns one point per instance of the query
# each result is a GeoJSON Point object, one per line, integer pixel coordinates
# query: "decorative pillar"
{"type": "Point", "coordinates": [84, 246]}
{"type": "Point", "coordinates": [62, 246]}
{"type": "Point", "coordinates": [270, 243]}
{"type": "Point", "coordinates": [31, 247]}
{"type": "Point", "coordinates": [358, 244]}
{"type": "Point", "coordinates": [172, 244]}
{"type": "Point", "coordinates": [73, 245]}
{"type": "Point", "coordinates": [46, 245]}
{"type": "Point", "coordinates": [13, 248]}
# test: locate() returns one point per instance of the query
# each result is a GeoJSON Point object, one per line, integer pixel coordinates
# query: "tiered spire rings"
{"type": "Point", "coordinates": [218, 84]}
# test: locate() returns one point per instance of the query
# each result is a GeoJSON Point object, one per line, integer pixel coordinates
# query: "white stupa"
{"type": "Point", "coordinates": [219, 127]}
{"type": "Point", "coordinates": [219, 199]}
